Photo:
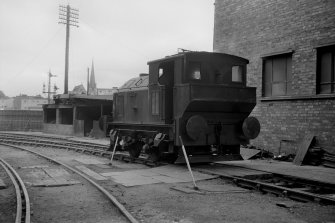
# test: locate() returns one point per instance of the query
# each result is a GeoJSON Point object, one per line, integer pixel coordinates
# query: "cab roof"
{"type": "Point", "coordinates": [195, 53]}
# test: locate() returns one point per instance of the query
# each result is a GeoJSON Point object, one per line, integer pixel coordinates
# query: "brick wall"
{"type": "Point", "coordinates": [254, 28]}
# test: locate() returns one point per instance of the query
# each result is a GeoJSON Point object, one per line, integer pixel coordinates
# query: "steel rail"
{"type": "Point", "coordinates": [114, 201]}
{"type": "Point", "coordinates": [261, 186]}
{"type": "Point", "coordinates": [64, 145]}
{"type": "Point", "coordinates": [47, 139]}
{"type": "Point", "coordinates": [267, 187]}
{"type": "Point", "coordinates": [22, 197]}
{"type": "Point", "coordinates": [53, 138]}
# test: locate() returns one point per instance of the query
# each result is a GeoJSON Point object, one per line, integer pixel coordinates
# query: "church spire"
{"type": "Point", "coordinates": [92, 84]}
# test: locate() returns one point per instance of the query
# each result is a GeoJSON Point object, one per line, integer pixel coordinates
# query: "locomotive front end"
{"type": "Point", "coordinates": [214, 107]}
{"type": "Point", "coordinates": [215, 121]}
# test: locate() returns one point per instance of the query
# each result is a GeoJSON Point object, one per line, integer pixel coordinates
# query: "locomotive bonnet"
{"type": "Point", "coordinates": [201, 97]}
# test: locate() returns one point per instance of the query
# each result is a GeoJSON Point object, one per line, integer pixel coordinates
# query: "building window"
{"type": "Point", "coordinates": [155, 102]}
{"type": "Point", "coordinates": [277, 75]}
{"type": "Point", "coordinates": [325, 70]}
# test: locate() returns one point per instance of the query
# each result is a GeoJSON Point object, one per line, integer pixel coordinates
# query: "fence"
{"type": "Point", "coordinates": [21, 120]}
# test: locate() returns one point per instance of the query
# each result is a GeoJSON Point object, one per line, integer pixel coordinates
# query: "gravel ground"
{"type": "Point", "coordinates": [80, 202]}
{"type": "Point", "coordinates": [160, 203]}
{"type": "Point", "coordinates": [7, 199]}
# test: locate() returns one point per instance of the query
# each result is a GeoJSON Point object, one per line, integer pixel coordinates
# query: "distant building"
{"type": "Point", "coordinates": [79, 89]}
{"type": "Point", "coordinates": [92, 86]}
{"type": "Point", "coordinates": [2, 95]}
{"type": "Point", "coordinates": [6, 103]}
{"type": "Point", "coordinates": [25, 102]}
{"type": "Point", "coordinates": [290, 46]}
{"type": "Point", "coordinates": [106, 91]}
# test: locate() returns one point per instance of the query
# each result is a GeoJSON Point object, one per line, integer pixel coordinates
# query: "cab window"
{"type": "Point", "coordinates": [195, 71]}
{"type": "Point", "coordinates": [237, 74]}
{"type": "Point", "coordinates": [160, 72]}
{"type": "Point", "coordinates": [166, 73]}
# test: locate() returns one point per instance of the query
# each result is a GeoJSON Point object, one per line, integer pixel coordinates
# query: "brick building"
{"type": "Point", "coordinates": [6, 103]}
{"type": "Point", "coordinates": [291, 48]}
{"type": "Point", "coordinates": [25, 102]}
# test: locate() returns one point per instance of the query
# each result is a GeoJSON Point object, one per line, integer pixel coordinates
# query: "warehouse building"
{"type": "Point", "coordinates": [79, 115]}
{"type": "Point", "coordinates": [291, 48]}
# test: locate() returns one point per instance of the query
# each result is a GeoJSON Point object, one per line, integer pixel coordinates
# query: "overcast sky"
{"type": "Point", "coordinates": [120, 36]}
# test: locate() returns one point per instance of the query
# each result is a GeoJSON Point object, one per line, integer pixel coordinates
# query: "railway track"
{"type": "Point", "coordinates": [107, 194]}
{"type": "Point", "coordinates": [22, 197]}
{"type": "Point", "coordinates": [281, 185]}
{"type": "Point", "coordinates": [63, 143]}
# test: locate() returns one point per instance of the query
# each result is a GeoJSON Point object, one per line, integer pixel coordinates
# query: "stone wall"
{"type": "Point", "coordinates": [256, 28]}
{"type": "Point", "coordinates": [77, 129]}
{"type": "Point", "coordinates": [58, 129]}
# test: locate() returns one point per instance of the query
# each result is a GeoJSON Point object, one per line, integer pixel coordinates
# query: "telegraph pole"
{"type": "Point", "coordinates": [69, 17]}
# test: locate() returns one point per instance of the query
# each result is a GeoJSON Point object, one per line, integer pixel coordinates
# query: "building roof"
{"type": "Point", "coordinates": [84, 96]}
{"type": "Point", "coordinates": [137, 82]}
{"type": "Point", "coordinates": [79, 89]}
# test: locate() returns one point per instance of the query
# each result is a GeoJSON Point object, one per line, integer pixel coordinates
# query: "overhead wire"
{"type": "Point", "coordinates": [109, 36]}
{"type": "Point", "coordinates": [37, 54]}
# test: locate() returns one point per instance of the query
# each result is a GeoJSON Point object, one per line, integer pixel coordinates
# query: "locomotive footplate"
{"type": "Point", "coordinates": [205, 158]}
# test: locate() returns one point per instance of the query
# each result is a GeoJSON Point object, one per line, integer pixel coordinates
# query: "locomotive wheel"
{"type": "Point", "coordinates": [135, 150]}
{"type": "Point", "coordinates": [154, 156]}
{"type": "Point", "coordinates": [159, 156]}
{"type": "Point", "coordinates": [171, 158]}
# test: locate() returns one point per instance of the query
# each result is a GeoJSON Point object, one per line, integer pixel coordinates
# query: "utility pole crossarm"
{"type": "Point", "coordinates": [66, 13]}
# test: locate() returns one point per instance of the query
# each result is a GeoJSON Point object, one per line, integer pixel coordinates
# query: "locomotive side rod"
{"type": "Point", "coordinates": [188, 163]}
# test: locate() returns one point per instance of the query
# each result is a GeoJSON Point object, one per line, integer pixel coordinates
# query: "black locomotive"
{"type": "Point", "coordinates": [200, 97]}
